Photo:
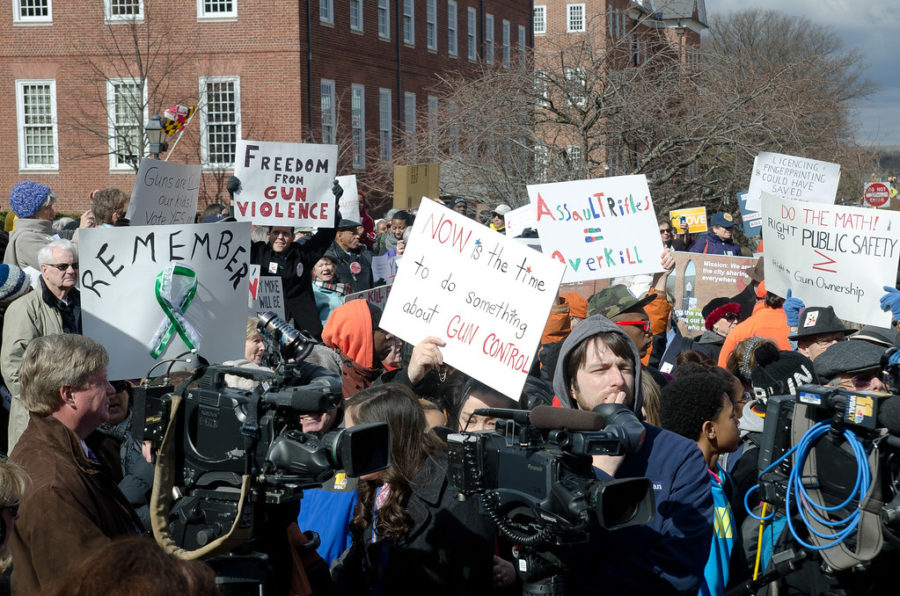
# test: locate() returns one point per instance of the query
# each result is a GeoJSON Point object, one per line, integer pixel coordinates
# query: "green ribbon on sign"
{"type": "Point", "coordinates": [175, 320]}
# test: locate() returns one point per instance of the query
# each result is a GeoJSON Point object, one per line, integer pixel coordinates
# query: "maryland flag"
{"type": "Point", "coordinates": [177, 117]}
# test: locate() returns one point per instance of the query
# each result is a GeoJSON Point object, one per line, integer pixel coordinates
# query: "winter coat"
{"type": "Point", "coordinates": [30, 236]}
{"type": "Point", "coordinates": [711, 343]}
{"type": "Point", "coordinates": [711, 244]}
{"type": "Point", "coordinates": [135, 474]}
{"type": "Point", "coordinates": [353, 269]}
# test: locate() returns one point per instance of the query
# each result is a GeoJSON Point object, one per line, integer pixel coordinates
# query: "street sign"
{"type": "Point", "coordinates": [876, 194]}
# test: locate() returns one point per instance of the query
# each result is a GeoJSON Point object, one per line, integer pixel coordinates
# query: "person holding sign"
{"type": "Point", "coordinates": [718, 240]}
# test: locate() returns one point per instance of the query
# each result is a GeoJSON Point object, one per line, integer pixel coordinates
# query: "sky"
{"type": "Point", "coordinates": [873, 26]}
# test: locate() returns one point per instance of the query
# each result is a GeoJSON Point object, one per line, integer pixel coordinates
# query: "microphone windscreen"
{"type": "Point", "coordinates": [889, 415]}
{"type": "Point", "coordinates": [549, 418]}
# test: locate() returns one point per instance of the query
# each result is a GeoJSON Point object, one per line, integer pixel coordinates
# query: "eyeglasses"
{"type": "Point", "coordinates": [282, 233]}
{"type": "Point", "coordinates": [829, 339]}
{"type": "Point", "coordinates": [731, 317]}
{"type": "Point", "coordinates": [12, 508]}
{"type": "Point", "coordinates": [665, 230]}
{"type": "Point", "coordinates": [63, 266]}
{"type": "Point", "coordinates": [644, 325]}
{"type": "Point", "coordinates": [862, 380]}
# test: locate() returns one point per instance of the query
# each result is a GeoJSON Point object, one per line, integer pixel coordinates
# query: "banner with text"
{"type": "Point", "coordinates": [164, 193]}
{"type": "Point", "coordinates": [285, 184]}
{"type": "Point", "coordinates": [752, 219]}
{"type": "Point", "coordinates": [694, 217]}
{"type": "Point", "coordinates": [520, 219]}
{"type": "Point", "coordinates": [598, 228]}
{"type": "Point", "coordinates": [831, 255]}
{"type": "Point", "coordinates": [151, 293]}
{"type": "Point", "coordinates": [266, 293]}
{"type": "Point", "coordinates": [349, 202]}
{"type": "Point", "coordinates": [377, 295]}
{"type": "Point", "coordinates": [484, 294]}
{"type": "Point", "coordinates": [794, 178]}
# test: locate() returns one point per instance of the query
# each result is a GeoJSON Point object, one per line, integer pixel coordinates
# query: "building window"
{"type": "Point", "coordinates": [126, 105]}
{"type": "Point", "coordinates": [573, 152]}
{"type": "Point", "coordinates": [577, 84]}
{"type": "Point", "coordinates": [32, 11]}
{"type": "Point", "coordinates": [453, 113]}
{"type": "Point", "coordinates": [358, 125]}
{"type": "Point", "coordinates": [384, 19]}
{"type": "Point", "coordinates": [505, 41]}
{"type": "Point", "coordinates": [540, 87]}
{"type": "Point", "coordinates": [409, 22]}
{"type": "Point", "coordinates": [124, 10]}
{"type": "Point", "coordinates": [522, 54]}
{"type": "Point", "coordinates": [326, 91]}
{"type": "Point", "coordinates": [489, 38]}
{"type": "Point", "coordinates": [356, 15]}
{"type": "Point", "coordinates": [220, 101]}
{"type": "Point", "coordinates": [432, 119]}
{"type": "Point", "coordinates": [616, 22]}
{"type": "Point", "coordinates": [472, 33]}
{"type": "Point", "coordinates": [384, 124]}
{"type": "Point", "coordinates": [452, 41]}
{"type": "Point", "coordinates": [326, 11]}
{"type": "Point", "coordinates": [540, 19]}
{"type": "Point", "coordinates": [541, 161]}
{"type": "Point", "coordinates": [431, 25]}
{"type": "Point", "coordinates": [574, 18]}
{"type": "Point", "coordinates": [409, 119]}
{"type": "Point", "coordinates": [36, 116]}
{"type": "Point", "coordinates": [216, 9]}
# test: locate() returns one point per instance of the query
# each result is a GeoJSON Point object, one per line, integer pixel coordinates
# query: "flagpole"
{"type": "Point", "coordinates": [181, 132]}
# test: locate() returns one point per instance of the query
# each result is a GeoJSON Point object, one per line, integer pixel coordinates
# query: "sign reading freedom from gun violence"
{"type": "Point", "coordinates": [151, 293]}
{"type": "Point", "coordinates": [832, 255]}
{"type": "Point", "coordinates": [484, 294]}
{"type": "Point", "coordinates": [164, 194]}
{"type": "Point", "coordinates": [285, 184]}
{"type": "Point", "coordinates": [795, 178]}
{"type": "Point", "coordinates": [598, 228]}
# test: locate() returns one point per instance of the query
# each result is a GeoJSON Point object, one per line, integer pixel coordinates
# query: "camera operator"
{"type": "Point", "coordinates": [598, 363]}
{"type": "Point", "coordinates": [852, 365]}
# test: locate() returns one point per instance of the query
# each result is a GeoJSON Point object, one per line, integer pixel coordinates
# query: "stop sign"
{"type": "Point", "coordinates": [876, 194]}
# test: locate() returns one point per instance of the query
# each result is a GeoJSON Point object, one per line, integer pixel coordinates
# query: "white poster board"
{"type": "Point", "coordinates": [385, 266]}
{"type": "Point", "coordinates": [349, 202]}
{"type": "Point", "coordinates": [598, 228]}
{"type": "Point", "coordinates": [486, 295]}
{"type": "Point", "coordinates": [285, 184]}
{"type": "Point", "coordinates": [519, 219]}
{"type": "Point", "coordinates": [164, 193]}
{"type": "Point", "coordinates": [793, 178]}
{"type": "Point", "coordinates": [124, 270]}
{"type": "Point", "coordinates": [266, 293]}
{"type": "Point", "coordinates": [831, 255]}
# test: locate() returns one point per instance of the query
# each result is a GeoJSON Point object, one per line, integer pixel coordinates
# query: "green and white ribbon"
{"type": "Point", "coordinates": [174, 308]}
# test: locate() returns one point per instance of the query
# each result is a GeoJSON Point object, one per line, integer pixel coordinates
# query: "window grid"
{"type": "Point", "coordinates": [222, 120]}
{"type": "Point", "coordinates": [540, 19]}
{"type": "Point", "coordinates": [489, 38]}
{"type": "Point", "coordinates": [384, 19]}
{"type": "Point", "coordinates": [217, 8]}
{"type": "Point", "coordinates": [327, 108]}
{"type": "Point", "coordinates": [124, 9]}
{"type": "Point", "coordinates": [126, 122]}
{"type": "Point", "coordinates": [453, 110]}
{"type": "Point", "coordinates": [575, 18]}
{"type": "Point", "coordinates": [452, 23]}
{"type": "Point", "coordinates": [326, 11]}
{"type": "Point", "coordinates": [384, 124]}
{"type": "Point", "coordinates": [409, 24]}
{"type": "Point", "coordinates": [356, 15]}
{"type": "Point", "coordinates": [358, 125]}
{"type": "Point", "coordinates": [574, 154]}
{"type": "Point", "coordinates": [431, 25]}
{"type": "Point", "coordinates": [577, 84]}
{"type": "Point", "coordinates": [37, 119]}
{"type": "Point", "coordinates": [505, 41]}
{"type": "Point", "coordinates": [32, 11]}
{"type": "Point", "coordinates": [471, 32]}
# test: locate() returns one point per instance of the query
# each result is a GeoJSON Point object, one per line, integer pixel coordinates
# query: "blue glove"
{"type": "Point", "coordinates": [891, 301]}
{"type": "Point", "coordinates": [792, 308]}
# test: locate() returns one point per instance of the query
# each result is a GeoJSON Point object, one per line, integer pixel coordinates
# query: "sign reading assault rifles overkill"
{"type": "Point", "coordinates": [164, 194]}
{"type": "Point", "coordinates": [487, 296]}
{"type": "Point", "coordinates": [151, 293]}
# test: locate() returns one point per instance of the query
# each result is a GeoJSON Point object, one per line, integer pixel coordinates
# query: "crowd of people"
{"type": "Point", "coordinates": [75, 492]}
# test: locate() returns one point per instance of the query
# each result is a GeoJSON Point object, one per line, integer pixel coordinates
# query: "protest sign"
{"type": "Point", "coordinates": [285, 184]}
{"type": "Point", "coordinates": [831, 255]}
{"type": "Point", "coordinates": [385, 266]}
{"type": "Point", "coordinates": [598, 228]}
{"type": "Point", "coordinates": [484, 294]}
{"type": "Point", "coordinates": [695, 218]}
{"type": "Point", "coordinates": [164, 193]}
{"type": "Point", "coordinates": [266, 293]}
{"type": "Point", "coordinates": [517, 220]}
{"type": "Point", "coordinates": [411, 183]}
{"type": "Point", "coordinates": [377, 295]}
{"type": "Point", "coordinates": [151, 293]}
{"type": "Point", "coordinates": [794, 178]}
{"type": "Point", "coordinates": [752, 219]}
{"type": "Point", "coordinates": [349, 202]}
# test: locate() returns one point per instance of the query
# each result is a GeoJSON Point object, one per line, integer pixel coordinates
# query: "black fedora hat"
{"type": "Point", "coordinates": [816, 320]}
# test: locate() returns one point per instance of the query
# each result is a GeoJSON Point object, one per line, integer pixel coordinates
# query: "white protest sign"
{"type": "Point", "coordinates": [266, 293]}
{"type": "Point", "coordinates": [519, 219]}
{"type": "Point", "coordinates": [599, 228]}
{"type": "Point", "coordinates": [794, 178]}
{"type": "Point", "coordinates": [285, 184]}
{"type": "Point", "coordinates": [377, 295]}
{"type": "Point", "coordinates": [486, 295]}
{"type": "Point", "coordinates": [385, 266]}
{"type": "Point", "coordinates": [349, 201]}
{"type": "Point", "coordinates": [831, 255]}
{"type": "Point", "coordinates": [199, 271]}
{"type": "Point", "coordinates": [164, 193]}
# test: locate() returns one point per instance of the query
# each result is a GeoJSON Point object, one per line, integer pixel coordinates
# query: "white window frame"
{"type": "Point", "coordinates": [384, 19]}
{"type": "Point", "coordinates": [358, 125]}
{"type": "Point", "coordinates": [18, 19]}
{"type": "Point", "coordinates": [505, 42]}
{"type": "Point", "coordinates": [409, 119]}
{"type": "Point", "coordinates": [570, 9]}
{"type": "Point", "coordinates": [385, 124]}
{"type": "Point", "coordinates": [453, 133]}
{"type": "Point", "coordinates": [217, 16]}
{"type": "Point", "coordinates": [204, 121]}
{"type": "Point", "coordinates": [472, 33]}
{"type": "Point", "coordinates": [111, 18]}
{"type": "Point", "coordinates": [574, 77]}
{"type": "Point", "coordinates": [431, 31]}
{"type": "Point", "coordinates": [409, 18]}
{"type": "Point", "coordinates": [356, 11]}
{"type": "Point", "coordinates": [541, 88]}
{"type": "Point", "coordinates": [326, 11]}
{"type": "Point", "coordinates": [573, 152]}
{"type": "Point", "coordinates": [20, 124]}
{"type": "Point", "coordinates": [452, 28]}
{"type": "Point", "coordinates": [488, 38]}
{"type": "Point", "coordinates": [522, 44]}
{"type": "Point", "coordinates": [432, 118]}
{"type": "Point", "coordinates": [111, 84]}
{"type": "Point", "coordinates": [539, 17]}
{"type": "Point", "coordinates": [330, 112]}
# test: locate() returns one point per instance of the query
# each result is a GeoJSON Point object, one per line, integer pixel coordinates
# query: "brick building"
{"type": "Point", "coordinates": [354, 72]}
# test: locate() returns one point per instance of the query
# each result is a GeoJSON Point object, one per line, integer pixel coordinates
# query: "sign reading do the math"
{"type": "Point", "coordinates": [831, 255]}
{"type": "Point", "coordinates": [794, 178]}
{"type": "Point", "coordinates": [598, 228]}
{"type": "Point", "coordinates": [285, 184]}
{"type": "Point", "coordinates": [151, 293]}
{"type": "Point", "coordinates": [164, 194]}
{"type": "Point", "coordinates": [486, 295]}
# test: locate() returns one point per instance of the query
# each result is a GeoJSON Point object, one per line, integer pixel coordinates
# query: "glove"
{"type": "Point", "coordinates": [338, 191]}
{"type": "Point", "coordinates": [792, 307]}
{"type": "Point", "coordinates": [891, 301]}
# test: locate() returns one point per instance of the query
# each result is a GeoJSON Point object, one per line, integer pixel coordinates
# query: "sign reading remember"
{"type": "Point", "coordinates": [285, 184]}
{"type": "Point", "coordinates": [598, 228]}
{"type": "Point", "coordinates": [145, 289]}
{"type": "Point", "coordinates": [795, 178]}
{"type": "Point", "coordinates": [164, 194]}
{"type": "Point", "coordinates": [831, 255]}
{"type": "Point", "coordinates": [484, 294]}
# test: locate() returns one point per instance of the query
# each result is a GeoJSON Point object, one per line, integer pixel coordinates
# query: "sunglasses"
{"type": "Point", "coordinates": [731, 317]}
{"type": "Point", "coordinates": [63, 266]}
{"type": "Point", "coordinates": [644, 325]}
{"type": "Point", "coordinates": [665, 230]}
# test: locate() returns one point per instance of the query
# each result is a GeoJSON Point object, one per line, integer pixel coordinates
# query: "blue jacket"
{"type": "Point", "coordinates": [711, 244]}
{"type": "Point", "coordinates": [328, 511]}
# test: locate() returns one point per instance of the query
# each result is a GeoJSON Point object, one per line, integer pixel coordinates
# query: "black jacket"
{"type": "Point", "coordinates": [358, 277]}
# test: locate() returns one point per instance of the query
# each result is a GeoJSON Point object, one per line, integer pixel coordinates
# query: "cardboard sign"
{"type": "Point", "coordinates": [832, 255]}
{"type": "Point", "coordinates": [377, 295]}
{"type": "Point", "coordinates": [484, 294]}
{"type": "Point", "coordinates": [164, 193]}
{"type": "Point", "coordinates": [752, 220]}
{"type": "Point", "coordinates": [793, 178]}
{"type": "Point", "coordinates": [598, 228]}
{"type": "Point", "coordinates": [349, 201]}
{"type": "Point", "coordinates": [876, 194]}
{"type": "Point", "coordinates": [695, 217]}
{"type": "Point", "coordinates": [285, 184]}
{"type": "Point", "coordinates": [411, 183]}
{"type": "Point", "coordinates": [266, 293]}
{"type": "Point", "coordinates": [519, 219]}
{"type": "Point", "coordinates": [199, 271]}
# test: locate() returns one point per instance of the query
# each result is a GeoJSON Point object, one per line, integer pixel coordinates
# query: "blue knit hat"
{"type": "Point", "coordinates": [13, 282]}
{"type": "Point", "coordinates": [27, 197]}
